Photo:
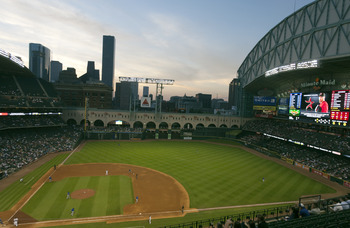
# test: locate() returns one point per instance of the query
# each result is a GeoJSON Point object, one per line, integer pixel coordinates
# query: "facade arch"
{"type": "Point", "coordinates": [138, 124]}
{"type": "Point", "coordinates": [163, 125]}
{"type": "Point", "coordinates": [71, 122]}
{"type": "Point", "coordinates": [223, 126]}
{"type": "Point", "coordinates": [151, 125]}
{"type": "Point", "coordinates": [176, 126]}
{"type": "Point", "coordinates": [200, 125]}
{"type": "Point", "coordinates": [212, 125]}
{"type": "Point", "coordinates": [99, 123]}
{"type": "Point", "coordinates": [83, 121]}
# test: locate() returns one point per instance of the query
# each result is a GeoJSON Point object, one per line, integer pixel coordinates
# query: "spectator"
{"type": "Point", "coordinates": [344, 203]}
{"type": "Point", "coordinates": [337, 206]}
{"type": "Point", "coordinates": [303, 211]}
{"type": "Point", "coordinates": [295, 213]}
{"type": "Point", "coordinates": [228, 223]}
{"type": "Point", "coordinates": [315, 210]}
{"type": "Point", "coordinates": [262, 222]}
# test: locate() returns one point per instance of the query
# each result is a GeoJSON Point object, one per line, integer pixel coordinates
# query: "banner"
{"type": "Point", "coordinates": [260, 100]}
{"type": "Point", "coordinates": [145, 102]}
{"type": "Point", "coordinates": [300, 165]}
{"type": "Point", "coordinates": [325, 175]}
{"type": "Point", "coordinates": [288, 160]}
{"type": "Point", "coordinates": [347, 184]}
{"type": "Point", "coordinates": [264, 108]}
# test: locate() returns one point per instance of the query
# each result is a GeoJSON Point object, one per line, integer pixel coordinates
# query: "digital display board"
{"type": "Point", "coordinates": [265, 101]}
{"type": "Point", "coordinates": [295, 101]}
{"type": "Point", "coordinates": [323, 107]}
{"type": "Point", "coordinates": [340, 100]}
{"type": "Point", "coordinates": [340, 105]}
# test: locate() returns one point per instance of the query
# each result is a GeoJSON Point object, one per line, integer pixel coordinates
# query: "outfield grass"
{"type": "Point", "coordinates": [213, 175]}
{"type": "Point", "coordinates": [112, 194]}
{"type": "Point", "coordinates": [13, 193]}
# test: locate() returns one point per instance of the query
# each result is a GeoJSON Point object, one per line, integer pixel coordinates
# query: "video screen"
{"type": "Point", "coordinates": [321, 107]}
{"type": "Point", "coordinates": [315, 105]}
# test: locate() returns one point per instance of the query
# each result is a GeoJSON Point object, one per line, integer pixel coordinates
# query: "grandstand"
{"type": "Point", "coordinates": [20, 88]}
{"type": "Point", "coordinates": [30, 118]}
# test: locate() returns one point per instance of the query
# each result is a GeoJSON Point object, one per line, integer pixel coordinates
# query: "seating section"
{"type": "Point", "coordinates": [50, 90]}
{"type": "Point", "coordinates": [8, 86]}
{"type": "Point", "coordinates": [29, 92]}
{"type": "Point", "coordinates": [20, 147]}
{"type": "Point", "coordinates": [321, 136]}
{"type": "Point", "coordinates": [329, 220]}
{"type": "Point", "coordinates": [30, 87]}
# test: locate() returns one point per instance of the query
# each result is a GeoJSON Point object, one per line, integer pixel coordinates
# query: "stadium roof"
{"type": "Point", "coordinates": [9, 67]}
{"type": "Point", "coordinates": [319, 31]}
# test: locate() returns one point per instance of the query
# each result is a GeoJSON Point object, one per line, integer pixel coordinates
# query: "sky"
{"type": "Point", "coordinates": [198, 43]}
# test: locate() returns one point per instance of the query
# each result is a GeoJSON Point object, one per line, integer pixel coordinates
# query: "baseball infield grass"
{"type": "Point", "coordinates": [13, 193]}
{"type": "Point", "coordinates": [214, 175]}
{"type": "Point", "coordinates": [112, 193]}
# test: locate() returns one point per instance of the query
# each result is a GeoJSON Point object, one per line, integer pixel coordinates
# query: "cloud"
{"type": "Point", "coordinates": [149, 44]}
{"type": "Point", "coordinates": [62, 28]}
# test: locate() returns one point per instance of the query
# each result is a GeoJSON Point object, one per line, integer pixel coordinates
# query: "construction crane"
{"type": "Point", "coordinates": [159, 88]}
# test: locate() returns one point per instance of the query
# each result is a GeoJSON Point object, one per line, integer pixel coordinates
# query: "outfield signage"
{"type": "Point", "coordinates": [145, 102]}
{"type": "Point", "coordinates": [346, 184]}
{"type": "Point", "coordinates": [292, 66]}
{"type": "Point", "coordinates": [325, 175]}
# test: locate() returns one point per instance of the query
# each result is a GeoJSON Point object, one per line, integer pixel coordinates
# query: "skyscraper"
{"type": "Point", "coordinates": [92, 74]}
{"type": "Point", "coordinates": [145, 91]}
{"type": "Point", "coordinates": [39, 61]}
{"type": "Point", "coordinates": [55, 69]}
{"type": "Point", "coordinates": [108, 60]}
{"type": "Point", "coordinates": [126, 94]}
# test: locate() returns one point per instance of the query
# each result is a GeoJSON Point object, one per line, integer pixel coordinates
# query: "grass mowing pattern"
{"type": "Point", "coordinates": [13, 193]}
{"type": "Point", "coordinates": [112, 193]}
{"type": "Point", "coordinates": [213, 175]}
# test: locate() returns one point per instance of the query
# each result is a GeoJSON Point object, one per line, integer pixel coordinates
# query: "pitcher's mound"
{"type": "Point", "coordinates": [82, 194]}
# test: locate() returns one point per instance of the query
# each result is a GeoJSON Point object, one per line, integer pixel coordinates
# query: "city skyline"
{"type": "Point", "coordinates": [199, 44]}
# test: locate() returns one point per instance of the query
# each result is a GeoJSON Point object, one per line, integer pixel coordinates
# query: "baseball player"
{"type": "Point", "coordinates": [68, 195]}
{"type": "Point", "coordinates": [150, 220]}
{"type": "Point", "coordinates": [106, 172]}
{"type": "Point", "coordinates": [50, 178]}
{"type": "Point", "coordinates": [15, 221]}
{"type": "Point", "coordinates": [72, 212]}
{"type": "Point", "coordinates": [137, 199]}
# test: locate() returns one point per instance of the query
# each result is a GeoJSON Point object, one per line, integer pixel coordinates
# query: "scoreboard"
{"type": "Point", "coordinates": [295, 101]}
{"type": "Point", "coordinates": [340, 105]}
{"type": "Point", "coordinates": [306, 107]}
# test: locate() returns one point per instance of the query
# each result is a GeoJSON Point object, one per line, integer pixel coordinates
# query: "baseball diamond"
{"type": "Point", "coordinates": [171, 174]}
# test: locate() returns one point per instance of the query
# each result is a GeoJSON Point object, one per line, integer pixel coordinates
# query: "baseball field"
{"type": "Point", "coordinates": [164, 175]}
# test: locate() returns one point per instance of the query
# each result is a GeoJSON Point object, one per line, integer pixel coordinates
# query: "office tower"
{"type": "Point", "coordinates": [126, 95]}
{"type": "Point", "coordinates": [55, 69]}
{"type": "Point", "coordinates": [39, 61]}
{"type": "Point", "coordinates": [91, 75]}
{"type": "Point", "coordinates": [204, 99]}
{"type": "Point", "coordinates": [68, 76]}
{"type": "Point", "coordinates": [145, 91]}
{"type": "Point", "coordinates": [108, 60]}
